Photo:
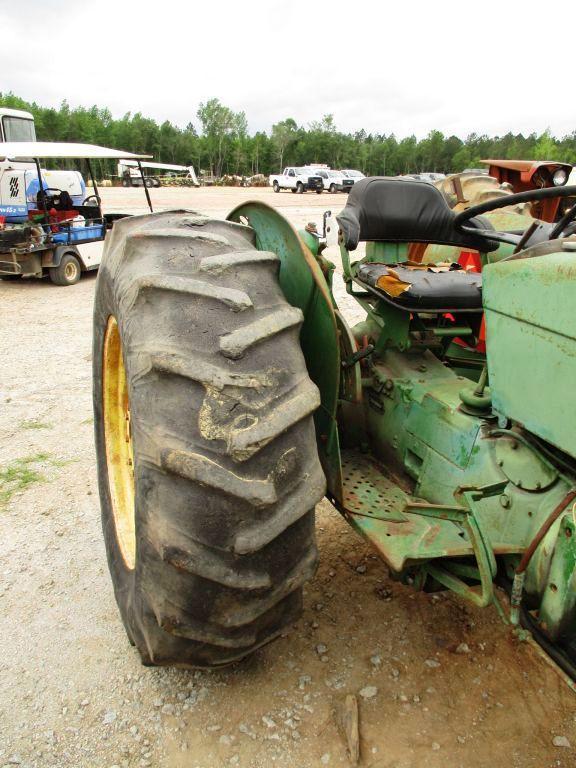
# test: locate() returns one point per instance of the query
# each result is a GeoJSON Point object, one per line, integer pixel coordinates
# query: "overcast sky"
{"type": "Point", "coordinates": [398, 67]}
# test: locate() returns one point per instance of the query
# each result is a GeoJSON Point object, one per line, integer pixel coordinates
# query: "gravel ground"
{"type": "Point", "coordinates": [439, 683]}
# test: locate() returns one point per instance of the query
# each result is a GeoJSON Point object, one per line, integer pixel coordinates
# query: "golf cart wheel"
{"type": "Point", "coordinates": [207, 461]}
{"type": "Point", "coordinates": [319, 191]}
{"type": "Point", "coordinates": [332, 189]}
{"type": "Point", "coordinates": [126, 183]}
{"type": "Point", "coordinates": [276, 186]}
{"type": "Point", "coordinates": [149, 182]}
{"type": "Point", "coordinates": [67, 272]}
{"type": "Point", "coordinates": [293, 191]}
{"type": "Point", "coordinates": [299, 188]}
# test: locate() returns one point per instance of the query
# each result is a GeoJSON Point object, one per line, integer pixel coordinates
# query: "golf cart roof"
{"type": "Point", "coordinates": [23, 150]}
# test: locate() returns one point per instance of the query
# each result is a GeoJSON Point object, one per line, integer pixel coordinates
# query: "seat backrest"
{"type": "Point", "coordinates": [64, 202]}
{"type": "Point", "coordinates": [398, 210]}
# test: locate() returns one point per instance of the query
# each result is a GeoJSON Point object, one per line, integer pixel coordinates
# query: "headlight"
{"type": "Point", "coordinates": [560, 177]}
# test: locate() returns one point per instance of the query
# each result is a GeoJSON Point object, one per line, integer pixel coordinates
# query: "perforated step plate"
{"type": "Point", "coordinates": [374, 504]}
{"type": "Point", "coordinates": [367, 490]}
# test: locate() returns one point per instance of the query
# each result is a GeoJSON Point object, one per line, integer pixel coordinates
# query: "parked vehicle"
{"type": "Point", "coordinates": [352, 174]}
{"type": "Point", "coordinates": [506, 177]}
{"type": "Point", "coordinates": [431, 177]}
{"type": "Point", "coordinates": [297, 179]}
{"type": "Point", "coordinates": [41, 226]}
{"type": "Point", "coordinates": [462, 477]}
{"type": "Point", "coordinates": [525, 175]}
{"type": "Point", "coordinates": [19, 180]}
{"type": "Point", "coordinates": [129, 172]}
{"type": "Point", "coordinates": [131, 177]}
{"type": "Point", "coordinates": [16, 125]}
{"type": "Point", "coordinates": [334, 181]}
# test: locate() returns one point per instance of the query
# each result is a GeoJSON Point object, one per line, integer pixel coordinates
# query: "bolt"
{"type": "Point", "coordinates": [500, 463]}
{"type": "Point", "coordinates": [505, 501]}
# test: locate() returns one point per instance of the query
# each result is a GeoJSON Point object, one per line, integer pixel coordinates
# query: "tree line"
{"type": "Point", "coordinates": [219, 142]}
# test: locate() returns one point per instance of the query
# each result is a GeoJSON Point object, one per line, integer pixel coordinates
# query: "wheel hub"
{"type": "Point", "coordinates": [70, 271]}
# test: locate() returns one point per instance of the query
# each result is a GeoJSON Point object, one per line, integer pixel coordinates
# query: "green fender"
{"type": "Point", "coordinates": [305, 286]}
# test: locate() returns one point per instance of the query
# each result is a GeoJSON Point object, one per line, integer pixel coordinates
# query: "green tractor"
{"type": "Point", "coordinates": [231, 395]}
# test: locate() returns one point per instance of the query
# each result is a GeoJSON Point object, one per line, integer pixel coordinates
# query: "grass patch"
{"type": "Point", "coordinates": [34, 424]}
{"type": "Point", "coordinates": [21, 473]}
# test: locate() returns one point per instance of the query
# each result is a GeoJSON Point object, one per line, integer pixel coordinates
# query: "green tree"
{"type": "Point", "coordinates": [284, 134]}
{"type": "Point", "coordinates": [218, 123]}
{"type": "Point", "coordinates": [546, 148]}
{"type": "Point", "coordinates": [226, 146]}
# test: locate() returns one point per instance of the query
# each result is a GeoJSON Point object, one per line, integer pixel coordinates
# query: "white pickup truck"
{"type": "Point", "coordinates": [335, 181]}
{"type": "Point", "coordinates": [297, 180]}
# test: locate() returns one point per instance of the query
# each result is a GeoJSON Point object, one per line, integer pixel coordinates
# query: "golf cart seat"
{"type": "Point", "coordinates": [394, 210]}
{"type": "Point", "coordinates": [423, 289]}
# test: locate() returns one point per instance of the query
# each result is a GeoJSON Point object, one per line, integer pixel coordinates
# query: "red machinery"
{"type": "Point", "coordinates": [525, 175]}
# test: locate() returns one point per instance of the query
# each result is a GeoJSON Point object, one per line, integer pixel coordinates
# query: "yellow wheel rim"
{"type": "Point", "coordinates": [70, 270]}
{"type": "Point", "coordinates": [118, 440]}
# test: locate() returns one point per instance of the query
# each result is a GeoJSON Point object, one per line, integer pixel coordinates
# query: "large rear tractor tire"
{"type": "Point", "coordinates": [207, 461]}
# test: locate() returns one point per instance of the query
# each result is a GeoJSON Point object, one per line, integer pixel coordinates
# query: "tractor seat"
{"type": "Point", "coordinates": [396, 210]}
{"type": "Point", "coordinates": [423, 288]}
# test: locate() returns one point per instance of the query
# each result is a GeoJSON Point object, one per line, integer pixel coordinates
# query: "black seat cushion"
{"type": "Point", "coordinates": [446, 291]}
{"type": "Point", "coordinates": [398, 210]}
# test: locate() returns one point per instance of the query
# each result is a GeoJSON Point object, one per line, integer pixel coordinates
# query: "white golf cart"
{"type": "Point", "coordinates": [45, 232]}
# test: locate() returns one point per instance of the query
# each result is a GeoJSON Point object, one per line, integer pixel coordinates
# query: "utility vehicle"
{"type": "Point", "coordinates": [41, 226]}
{"type": "Point", "coordinates": [231, 395]}
{"type": "Point", "coordinates": [19, 179]}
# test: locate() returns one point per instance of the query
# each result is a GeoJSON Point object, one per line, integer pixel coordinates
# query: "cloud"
{"type": "Point", "coordinates": [398, 68]}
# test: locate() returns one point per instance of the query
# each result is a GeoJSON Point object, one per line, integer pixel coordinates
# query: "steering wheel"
{"type": "Point", "coordinates": [536, 233]}
{"type": "Point", "coordinates": [91, 197]}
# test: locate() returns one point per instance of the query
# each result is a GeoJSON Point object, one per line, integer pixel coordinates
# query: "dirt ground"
{"type": "Point", "coordinates": [444, 685]}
